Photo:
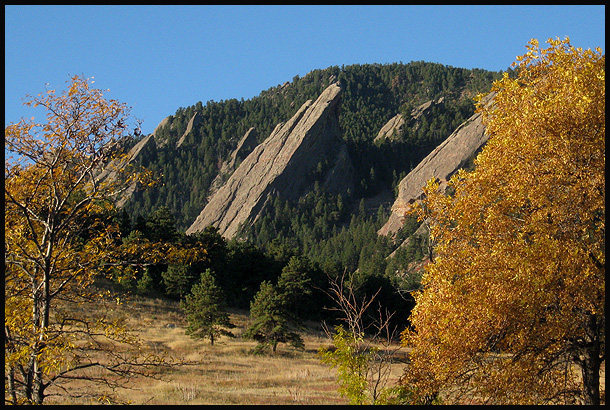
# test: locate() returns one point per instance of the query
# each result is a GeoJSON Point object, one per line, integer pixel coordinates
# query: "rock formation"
{"type": "Point", "coordinates": [441, 163]}
{"type": "Point", "coordinates": [245, 145]}
{"type": "Point", "coordinates": [193, 122]}
{"type": "Point", "coordinates": [113, 170]}
{"type": "Point", "coordinates": [161, 142]}
{"type": "Point", "coordinates": [419, 111]}
{"type": "Point", "coordinates": [281, 164]}
{"type": "Point", "coordinates": [163, 123]}
{"type": "Point", "coordinates": [391, 128]}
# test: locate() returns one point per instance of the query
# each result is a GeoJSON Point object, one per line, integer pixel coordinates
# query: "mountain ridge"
{"type": "Point", "coordinates": [274, 165]}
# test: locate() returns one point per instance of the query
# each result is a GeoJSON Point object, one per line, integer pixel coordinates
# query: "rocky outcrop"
{"type": "Point", "coordinates": [163, 123]}
{"type": "Point", "coordinates": [245, 145]}
{"type": "Point", "coordinates": [441, 163]}
{"type": "Point", "coordinates": [113, 170]}
{"type": "Point", "coordinates": [281, 164]}
{"type": "Point", "coordinates": [391, 128]}
{"type": "Point", "coordinates": [193, 122]}
{"type": "Point", "coordinates": [161, 142]}
{"type": "Point", "coordinates": [421, 110]}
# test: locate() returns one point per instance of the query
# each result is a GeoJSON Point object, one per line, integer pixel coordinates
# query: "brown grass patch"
{"type": "Point", "coordinates": [226, 373]}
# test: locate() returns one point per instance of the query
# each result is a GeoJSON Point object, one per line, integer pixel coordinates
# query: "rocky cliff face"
{"type": "Point", "coordinates": [441, 163]}
{"type": "Point", "coordinates": [282, 164]}
{"type": "Point", "coordinates": [393, 128]}
{"type": "Point", "coordinates": [193, 122]}
{"type": "Point", "coordinates": [245, 145]}
{"type": "Point", "coordinates": [113, 170]}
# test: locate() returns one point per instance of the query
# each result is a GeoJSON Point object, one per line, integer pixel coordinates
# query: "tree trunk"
{"type": "Point", "coordinates": [590, 362]}
{"type": "Point", "coordinates": [11, 385]}
{"type": "Point", "coordinates": [212, 338]}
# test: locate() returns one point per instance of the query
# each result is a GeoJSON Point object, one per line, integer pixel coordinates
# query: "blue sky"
{"type": "Point", "coordinates": [159, 58]}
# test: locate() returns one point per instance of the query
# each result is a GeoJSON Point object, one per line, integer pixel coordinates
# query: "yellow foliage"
{"type": "Point", "coordinates": [57, 234]}
{"type": "Point", "coordinates": [517, 288]}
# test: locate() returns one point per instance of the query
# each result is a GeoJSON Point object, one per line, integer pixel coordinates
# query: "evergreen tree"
{"type": "Point", "coordinates": [294, 285]}
{"type": "Point", "coordinates": [270, 320]}
{"type": "Point", "coordinates": [204, 310]}
{"type": "Point", "coordinates": [178, 280]}
{"type": "Point", "coordinates": [161, 225]}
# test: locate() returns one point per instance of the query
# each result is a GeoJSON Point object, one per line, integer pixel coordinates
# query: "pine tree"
{"type": "Point", "coordinates": [204, 310]}
{"type": "Point", "coordinates": [178, 280]}
{"type": "Point", "coordinates": [270, 320]}
{"type": "Point", "coordinates": [294, 284]}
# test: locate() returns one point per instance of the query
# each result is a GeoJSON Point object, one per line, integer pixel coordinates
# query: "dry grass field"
{"type": "Point", "coordinates": [227, 372]}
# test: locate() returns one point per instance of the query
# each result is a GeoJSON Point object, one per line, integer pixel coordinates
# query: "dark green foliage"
{"type": "Point", "coordinates": [277, 311]}
{"type": "Point", "coordinates": [294, 282]}
{"type": "Point", "coordinates": [246, 267]}
{"type": "Point", "coordinates": [372, 94]}
{"type": "Point", "coordinates": [297, 243]}
{"type": "Point", "coordinates": [302, 283]}
{"type": "Point", "coordinates": [145, 285]}
{"type": "Point", "coordinates": [409, 226]}
{"type": "Point", "coordinates": [161, 225]}
{"type": "Point", "coordinates": [178, 280]}
{"type": "Point", "coordinates": [204, 308]}
{"type": "Point", "coordinates": [215, 246]}
{"type": "Point", "coordinates": [270, 322]}
{"type": "Point", "coordinates": [239, 266]}
{"type": "Point", "coordinates": [389, 299]}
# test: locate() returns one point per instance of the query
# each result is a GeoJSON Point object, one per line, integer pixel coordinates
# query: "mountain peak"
{"type": "Point", "coordinates": [280, 164]}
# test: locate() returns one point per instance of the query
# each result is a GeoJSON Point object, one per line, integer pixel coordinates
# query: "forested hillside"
{"type": "Point", "coordinates": [335, 232]}
{"type": "Point", "coordinates": [372, 95]}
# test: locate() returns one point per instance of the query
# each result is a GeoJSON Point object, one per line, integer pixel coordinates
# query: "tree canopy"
{"type": "Point", "coordinates": [204, 308]}
{"type": "Point", "coordinates": [58, 231]}
{"type": "Point", "coordinates": [514, 301]}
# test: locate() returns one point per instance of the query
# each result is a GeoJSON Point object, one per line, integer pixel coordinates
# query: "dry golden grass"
{"type": "Point", "coordinates": [227, 372]}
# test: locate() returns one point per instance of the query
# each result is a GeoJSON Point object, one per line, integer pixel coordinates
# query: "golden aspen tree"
{"type": "Point", "coordinates": [512, 309]}
{"type": "Point", "coordinates": [57, 234]}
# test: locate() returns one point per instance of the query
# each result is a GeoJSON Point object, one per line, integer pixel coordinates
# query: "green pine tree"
{"type": "Point", "coordinates": [178, 280]}
{"type": "Point", "coordinates": [204, 310]}
{"type": "Point", "coordinates": [295, 284]}
{"type": "Point", "coordinates": [270, 320]}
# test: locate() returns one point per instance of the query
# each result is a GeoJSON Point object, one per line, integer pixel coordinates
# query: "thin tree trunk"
{"type": "Point", "coordinates": [39, 386]}
{"type": "Point", "coordinates": [11, 385]}
{"type": "Point", "coordinates": [590, 363]}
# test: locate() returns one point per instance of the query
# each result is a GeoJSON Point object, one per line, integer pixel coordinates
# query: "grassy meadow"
{"type": "Point", "coordinates": [227, 372]}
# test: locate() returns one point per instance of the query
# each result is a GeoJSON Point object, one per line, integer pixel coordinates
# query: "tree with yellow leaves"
{"type": "Point", "coordinates": [512, 309]}
{"type": "Point", "coordinates": [57, 233]}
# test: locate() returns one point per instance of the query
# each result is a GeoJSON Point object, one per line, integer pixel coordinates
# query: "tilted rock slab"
{"type": "Point", "coordinates": [441, 163]}
{"type": "Point", "coordinates": [391, 128]}
{"type": "Point", "coordinates": [113, 170]}
{"type": "Point", "coordinates": [193, 122]}
{"type": "Point", "coordinates": [245, 145]}
{"type": "Point", "coordinates": [279, 164]}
